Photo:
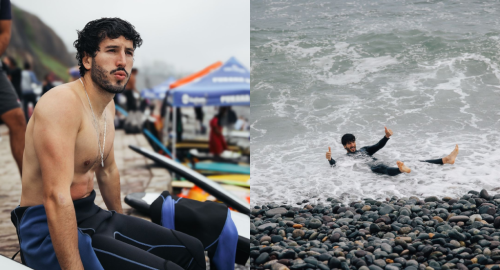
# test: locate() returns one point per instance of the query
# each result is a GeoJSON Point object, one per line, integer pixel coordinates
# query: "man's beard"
{"type": "Point", "coordinates": [98, 75]}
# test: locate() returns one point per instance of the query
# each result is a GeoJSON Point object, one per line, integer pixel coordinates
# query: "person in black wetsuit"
{"type": "Point", "coordinates": [349, 143]}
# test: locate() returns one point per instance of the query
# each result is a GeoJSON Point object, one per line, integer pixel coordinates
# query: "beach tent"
{"type": "Point", "coordinates": [159, 91]}
{"type": "Point", "coordinates": [181, 82]}
{"type": "Point", "coordinates": [229, 85]}
{"type": "Point", "coordinates": [226, 86]}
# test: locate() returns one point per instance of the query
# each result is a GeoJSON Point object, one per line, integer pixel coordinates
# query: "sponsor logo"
{"type": "Point", "coordinates": [235, 98]}
{"type": "Point", "coordinates": [230, 80]}
{"type": "Point", "coordinates": [234, 68]}
{"type": "Point", "coordinates": [196, 100]}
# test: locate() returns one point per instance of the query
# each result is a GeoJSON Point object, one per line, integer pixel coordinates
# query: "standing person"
{"type": "Point", "coordinates": [47, 83]}
{"type": "Point", "coordinates": [69, 140]}
{"type": "Point", "coordinates": [10, 105]}
{"type": "Point", "coordinates": [229, 118]}
{"type": "Point", "coordinates": [217, 142]}
{"type": "Point", "coordinates": [198, 111]}
{"type": "Point", "coordinates": [14, 75]}
{"type": "Point", "coordinates": [131, 92]}
{"type": "Point", "coordinates": [28, 83]}
{"type": "Point", "coordinates": [349, 143]}
{"type": "Point", "coordinates": [163, 113]}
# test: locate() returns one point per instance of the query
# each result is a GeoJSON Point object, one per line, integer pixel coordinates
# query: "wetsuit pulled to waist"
{"type": "Point", "coordinates": [84, 208]}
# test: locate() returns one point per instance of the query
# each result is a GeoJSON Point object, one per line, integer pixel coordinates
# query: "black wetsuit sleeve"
{"type": "Point", "coordinates": [5, 13]}
{"type": "Point", "coordinates": [332, 162]}
{"type": "Point", "coordinates": [374, 148]}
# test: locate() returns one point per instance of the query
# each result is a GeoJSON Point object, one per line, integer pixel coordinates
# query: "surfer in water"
{"type": "Point", "coordinates": [349, 143]}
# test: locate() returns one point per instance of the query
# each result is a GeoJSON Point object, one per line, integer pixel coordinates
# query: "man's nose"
{"type": "Point", "coordinates": [121, 61]}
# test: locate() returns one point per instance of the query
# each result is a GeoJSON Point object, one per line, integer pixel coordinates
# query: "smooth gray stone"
{"type": "Point", "coordinates": [267, 226]}
{"type": "Point", "coordinates": [276, 211]}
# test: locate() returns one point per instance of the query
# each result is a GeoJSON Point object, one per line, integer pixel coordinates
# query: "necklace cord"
{"type": "Point", "coordinates": [97, 127]}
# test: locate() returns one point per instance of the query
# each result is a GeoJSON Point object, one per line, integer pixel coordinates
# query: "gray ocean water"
{"type": "Point", "coordinates": [428, 70]}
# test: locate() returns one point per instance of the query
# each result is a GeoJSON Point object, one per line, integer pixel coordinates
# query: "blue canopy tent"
{"type": "Point", "coordinates": [159, 91]}
{"type": "Point", "coordinates": [229, 85]}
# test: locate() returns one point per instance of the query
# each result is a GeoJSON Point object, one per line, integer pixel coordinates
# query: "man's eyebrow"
{"type": "Point", "coordinates": [116, 46]}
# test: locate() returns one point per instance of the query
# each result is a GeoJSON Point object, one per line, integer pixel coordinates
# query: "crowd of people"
{"type": "Point", "coordinates": [28, 88]}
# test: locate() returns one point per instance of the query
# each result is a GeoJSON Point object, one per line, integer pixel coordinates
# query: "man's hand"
{"type": "Point", "coordinates": [329, 153]}
{"type": "Point", "coordinates": [388, 132]}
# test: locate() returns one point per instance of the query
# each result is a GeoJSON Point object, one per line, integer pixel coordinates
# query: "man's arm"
{"type": "Point", "coordinates": [329, 157]}
{"type": "Point", "coordinates": [108, 177]}
{"type": "Point", "coordinates": [56, 125]}
{"type": "Point", "coordinates": [374, 148]}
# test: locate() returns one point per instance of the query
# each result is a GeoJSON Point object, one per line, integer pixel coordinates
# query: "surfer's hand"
{"type": "Point", "coordinates": [388, 132]}
{"type": "Point", "coordinates": [329, 153]}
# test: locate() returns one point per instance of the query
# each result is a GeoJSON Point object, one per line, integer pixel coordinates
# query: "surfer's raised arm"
{"type": "Point", "coordinates": [329, 156]}
{"type": "Point", "coordinates": [374, 148]}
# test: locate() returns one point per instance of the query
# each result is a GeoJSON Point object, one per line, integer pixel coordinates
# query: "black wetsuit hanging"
{"type": "Point", "coordinates": [367, 152]}
{"type": "Point", "coordinates": [210, 222]}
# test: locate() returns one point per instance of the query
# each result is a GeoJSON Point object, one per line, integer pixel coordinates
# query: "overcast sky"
{"type": "Point", "coordinates": [189, 35]}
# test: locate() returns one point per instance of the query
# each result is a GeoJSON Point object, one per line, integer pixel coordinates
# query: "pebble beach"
{"type": "Point", "coordinates": [409, 233]}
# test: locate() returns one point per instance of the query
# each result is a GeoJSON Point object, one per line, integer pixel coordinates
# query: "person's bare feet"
{"type": "Point", "coordinates": [450, 159]}
{"type": "Point", "coordinates": [402, 167]}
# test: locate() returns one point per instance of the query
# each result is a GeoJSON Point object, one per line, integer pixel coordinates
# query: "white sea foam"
{"type": "Point", "coordinates": [417, 70]}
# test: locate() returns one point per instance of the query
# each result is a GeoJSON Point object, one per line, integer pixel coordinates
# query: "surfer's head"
{"type": "Point", "coordinates": [349, 143]}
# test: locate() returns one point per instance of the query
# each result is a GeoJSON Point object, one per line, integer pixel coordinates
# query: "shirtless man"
{"type": "Point", "coordinates": [349, 143]}
{"type": "Point", "coordinates": [68, 140]}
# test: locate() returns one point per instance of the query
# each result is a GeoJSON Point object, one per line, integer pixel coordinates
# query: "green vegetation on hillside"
{"type": "Point", "coordinates": [40, 56]}
{"type": "Point", "coordinates": [50, 63]}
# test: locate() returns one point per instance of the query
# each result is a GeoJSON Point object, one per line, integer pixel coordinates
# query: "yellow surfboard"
{"type": "Point", "coordinates": [241, 180]}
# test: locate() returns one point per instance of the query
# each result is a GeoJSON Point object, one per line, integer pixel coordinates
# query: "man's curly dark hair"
{"type": "Point", "coordinates": [96, 31]}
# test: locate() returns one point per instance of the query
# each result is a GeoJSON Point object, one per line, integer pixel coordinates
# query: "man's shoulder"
{"type": "Point", "coordinates": [363, 150]}
{"type": "Point", "coordinates": [61, 101]}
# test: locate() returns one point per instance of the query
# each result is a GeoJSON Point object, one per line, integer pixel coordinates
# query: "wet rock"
{"type": "Point", "coordinates": [458, 218]}
{"type": "Point", "coordinates": [385, 210]}
{"type": "Point", "coordinates": [267, 226]}
{"type": "Point", "coordinates": [315, 223]}
{"type": "Point", "coordinates": [263, 257]}
{"type": "Point", "coordinates": [276, 211]}
{"type": "Point", "coordinates": [484, 194]}
{"type": "Point", "coordinates": [298, 233]}
{"type": "Point", "coordinates": [431, 199]}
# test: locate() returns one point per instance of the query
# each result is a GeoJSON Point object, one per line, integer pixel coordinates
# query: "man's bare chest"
{"type": "Point", "coordinates": [87, 148]}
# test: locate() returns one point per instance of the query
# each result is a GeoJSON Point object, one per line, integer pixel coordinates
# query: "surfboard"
{"type": "Point", "coordinates": [121, 110]}
{"type": "Point", "coordinates": [190, 145]}
{"type": "Point", "coordinates": [157, 142]}
{"type": "Point", "coordinates": [242, 180]}
{"type": "Point", "coordinates": [199, 180]}
{"type": "Point", "coordinates": [225, 184]}
{"type": "Point", "coordinates": [7, 263]}
{"type": "Point", "coordinates": [203, 156]}
{"type": "Point", "coordinates": [219, 167]}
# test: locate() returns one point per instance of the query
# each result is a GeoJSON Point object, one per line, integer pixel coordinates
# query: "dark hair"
{"type": "Point", "coordinates": [96, 31]}
{"type": "Point", "coordinates": [347, 138]}
{"type": "Point", "coordinates": [27, 65]}
{"type": "Point", "coordinates": [134, 70]}
{"type": "Point", "coordinates": [12, 60]}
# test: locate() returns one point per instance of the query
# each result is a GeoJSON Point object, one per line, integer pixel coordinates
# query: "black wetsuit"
{"type": "Point", "coordinates": [108, 240]}
{"type": "Point", "coordinates": [368, 151]}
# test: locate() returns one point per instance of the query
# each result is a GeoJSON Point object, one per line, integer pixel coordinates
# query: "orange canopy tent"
{"type": "Point", "coordinates": [196, 75]}
{"type": "Point", "coordinates": [183, 81]}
